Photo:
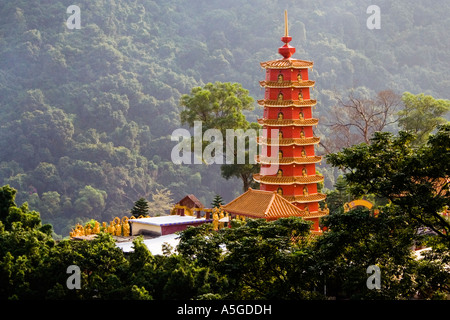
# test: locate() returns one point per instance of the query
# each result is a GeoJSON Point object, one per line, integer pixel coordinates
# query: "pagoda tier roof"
{"type": "Point", "coordinates": [306, 199]}
{"type": "Point", "coordinates": [288, 122]}
{"type": "Point", "coordinates": [314, 214]}
{"type": "Point", "coordinates": [287, 84]}
{"type": "Point", "coordinates": [263, 204]}
{"type": "Point", "coordinates": [287, 103]}
{"type": "Point", "coordinates": [287, 64]}
{"type": "Point", "coordinates": [288, 141]}
{"type": "Point", "coordinates": [288, 161]}
{"type": "Point", "coordinates": [285, 180]}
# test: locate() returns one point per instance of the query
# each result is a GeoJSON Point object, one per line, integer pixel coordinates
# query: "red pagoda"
{"type": "Point", "coordinates": [288, 109]}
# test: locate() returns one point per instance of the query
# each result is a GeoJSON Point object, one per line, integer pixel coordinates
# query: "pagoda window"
{"type": "Point", "coordinates": [280, 78]}
{"type": "Point", "coordinates": [305, 191]}
{"type": "Point", "coordinates": [280, 97]}
{"type": "Point", "coordinates": [301, 116]}
{"type": "Point", "coordinates": [302, 134]}
{"type": "Point", "coordinates": [280, 191]}
{"type": "Point", "coordinates": [280, 134]}
{"type": "Point", "coordinates": [304, 172]}
{"type": "Point", "coordinates": [299, 76]}
{"type": "Point", "coordinates": [280, 154]}
{"type": "Point", "coordinates": [279, 173]}
{"type": "Point", "coordinates": [300, 95]}
{"type": "Point", "coordinates": [303, 153]}
{"type": "Point", "coordinates": [280, 116]}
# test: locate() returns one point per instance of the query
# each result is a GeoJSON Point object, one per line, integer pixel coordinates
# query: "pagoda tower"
{"type": "Point", "coordinates": [288, 110]}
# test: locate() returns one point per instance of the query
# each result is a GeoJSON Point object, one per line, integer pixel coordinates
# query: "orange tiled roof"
{"type": "Point", "coordinates": [287, 84]}
{"type": "Point", "coordinates": [287, 64]}
{"type": "Point", "coordinates": [287, 180]}
{"type": "Point", "coordinates": [286, 160]}
{"type": "Point", "coordinates": [287, 103]}
{"type": "Point", "coordinates": [262, 204]}
{"type": "Point", "coordinates": [288, 141]}
{"type": "Point", "coordinates": [288, 122]}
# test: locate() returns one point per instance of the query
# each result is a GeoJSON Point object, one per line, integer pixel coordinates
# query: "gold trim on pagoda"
{"type": "Point", "coordinates": [314, 214]}
{"type": "Point", "coordinates": [287, 180]}
{"type": "Point", "coordinates": [288, 141]}
{"type": "Point", "coordinates": [288, 122]}
{"type": "Point", "coordinates": [287, 161]}
{"type": "Point", "coordinates": [287, 84]}
{"type": "Point", "coordinates": [287, 64]}
{"type": "Point", "coordinates": [306, 199]}
{"type": "Point", "coordinates": [287, 103]}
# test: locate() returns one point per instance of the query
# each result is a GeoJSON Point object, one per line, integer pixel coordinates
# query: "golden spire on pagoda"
{"type": "Point", "coordinates": [286, 33]}
{"type": "Point", "coordinates": [286, 51]}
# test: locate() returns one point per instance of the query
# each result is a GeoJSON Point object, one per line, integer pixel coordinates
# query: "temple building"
{"type": "Point", "coordinates": [288, 112]}
{"type": "Point", "coordinates": [259, 204]}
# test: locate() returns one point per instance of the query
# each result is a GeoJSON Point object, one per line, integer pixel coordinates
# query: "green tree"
{"type": "Point", "coordinates": [221, 106]}
{"type": "Point", "coordinates": [359, 239]}
{"type": "Point", "coordinates": [336, 198]}
{"type": "Point", "coordinates": [90, 202]}
{"type": "Point", "coordinates": [50, 203]}
{"type": "Point", "coordinates": [161, 202]}
{"type": "Point", "coordinates": [140, 208]}
{"type": "Point", "coordinates": [262, 260]}
{"type": "Point", "coordinates": [7, 196]}
{"type": "Point", "coordinates": [217, 201]}
{"type": "Point", "coordinates": [414, 179]}
{"type": "Point", "coordinates": [24, 245]}
{"type": "Point", "coordinates": [422, 114]}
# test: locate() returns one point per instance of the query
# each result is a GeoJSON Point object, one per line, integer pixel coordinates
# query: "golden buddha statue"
{"type": "Point", "coordinates": [96, 228]}
{"type": "Point", "coordinates": [304, 172]}
{"type": "Point", "coordinates": [280, 78]}
{"type": "Point", "coordinates": [111, 228]}
{"type": "Point", "coordinates": [303, 153]}
{"type": "Point", "coordinates": [126, 229]}
{"type": "Point", "coordinates": [280, 97]}
{"type": "Point", "coordinates": [305, 191]}
{"type": "Point", "coordinates": [215, 220]}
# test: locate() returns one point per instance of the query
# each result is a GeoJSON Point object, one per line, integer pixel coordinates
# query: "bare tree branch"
{"type": "Point", "coordinates": [354, 120]}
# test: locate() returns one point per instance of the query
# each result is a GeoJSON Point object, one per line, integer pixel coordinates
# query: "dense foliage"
{"type": "Point", "coordinates": [257, 259]}
{"type": "Point", "coordinates": [86, 115]}
{"type": "Point", "coordinates": [415, 180]}
{"type": "Point", "coordinates": [252, 260]}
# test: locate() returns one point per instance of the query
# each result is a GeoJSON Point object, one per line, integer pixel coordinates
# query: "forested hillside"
{"type": "Point", "coordinates": [86, 114]}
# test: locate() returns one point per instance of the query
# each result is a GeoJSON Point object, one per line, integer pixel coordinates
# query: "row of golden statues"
{"type": "Point", "coordinates": [121, 227]}
{"type": "Point", "coordinates": [116, 227]}
{"type": "Point", "coordinates": [217, 215]}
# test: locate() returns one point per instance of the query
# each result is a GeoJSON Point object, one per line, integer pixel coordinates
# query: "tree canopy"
{"type": "Point", "coordinates": [256, 259]}
{"type": "Point", "coordinates": [422, 114]}
{"type": "Point", "coordinates": [95, 107]}
{"type": "Point", "coordinates": [415, 179]}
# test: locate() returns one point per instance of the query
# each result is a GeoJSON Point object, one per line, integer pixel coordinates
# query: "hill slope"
{"type": "Point", "coordinates": [86, 115]}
